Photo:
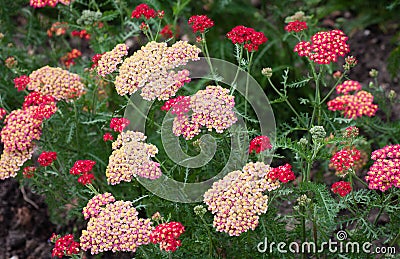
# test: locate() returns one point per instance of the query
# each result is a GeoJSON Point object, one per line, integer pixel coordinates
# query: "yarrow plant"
{"type": "Point", "coordinates": [145, 146]}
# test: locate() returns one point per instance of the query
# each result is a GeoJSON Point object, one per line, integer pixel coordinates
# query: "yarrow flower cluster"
{"type": "Point", "coordinates": [3, 113]}
{"type": "Point", "coordinates": [119, 124]}
{"type": "Point", "coordinates": [247, 36]}
{"type": "Point", "coordinates": [351, 132]}
{"type": "Point", "coordinates": [28, 171]}
{"type": "Point", "coordinates": [64, 246]}
{"type": "Point", "coordinates": [44, 106]}
{"type": "Point", "coordinates": [296, 26]}
{"type": "Point", "coordinates": [342, 188]}
{"type": "Point", "coordinates": [108, 137]}
{"type": "Point", "coordinates": [57, 28]}
{"type": "Point", "coordinates": [83, 34]}
{"type": "Point", "coordinates": [57, 82]}
{"type": "Point", "coordinates": [51, 3]}
{"type": "Point", "coordinates": [343, 160]}
{"type": "Point", "coordinates": [114, 226]}
{"type": "Point", "coordinates": [110, 60]}
{"type": "Point", "coordinates": [212, 108]}
{"type": "Point", "coordinates": [11, 161]}
{"type": "Point", "coordinates": [199, 23]}
{"type": "Point", "coordinates": [282, 173]}
{"type": "Point", "coordinates": [166, 32]}
{"type": "Point", "coordinates": [353, 105]}
{"type": "Point", "coordinates": [21, 82]}
{"type": "Point", "coordinates": [151, 70]}
{"type": "Point", "coordinates": [145, 10]}
{"type": "Point", "coordinates": [325, 47]}
{"type": "Point", "coordinates": [237, 200]}
{"type": "Point", "coordinates": [167, 235]}
{"type": "Point", "coordinates": [348, 86]}
{"type": "Point", "coordinates": [83, 168]}
{"type": "Point", "coordinates": [385, 172]}
{"type": "Point", "coordinates": [95, 60]}
{"type": "Point", "coordinates": [69, 58]}
{"type": "Point", "coordinates": [260, 144]}
{"type": "Point", "coordinates": [95, 204]}
{"type": "Point", "coordinates": [131, 157]}
{"type": "Point", "coordinates": [46, 158]}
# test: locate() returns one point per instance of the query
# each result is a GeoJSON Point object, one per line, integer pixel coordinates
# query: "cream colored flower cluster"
{"type": "Point", "coordinates": [110, 60]}
{"type": "Point", "coordinates": [237, 200]}
{"type": "Point", "coordinates": [116, 227]}
{"type": "Point", "coordinates": [56, 82]}
{"type": "Point", "coordinates": [151, 69]}
{"type": "Point", "coordinates": [131, 157]}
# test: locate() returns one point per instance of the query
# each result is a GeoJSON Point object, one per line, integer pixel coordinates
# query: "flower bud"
{"type": "Point", "coordinates": [267, 71]}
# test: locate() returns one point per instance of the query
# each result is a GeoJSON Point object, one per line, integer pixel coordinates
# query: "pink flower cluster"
{"type": "Point", "coordinates": [325, 47]}
{"type": "Point", "coordinates": [343, 160]}
{"type": "Point", "coordinates": [385, 172]}
{"type": "Point", "coordinates": [65, 246]}
{"type": "Point", "coordinates": [151, 70]}
{"type": "Point", "coordinates": [296, 26]}
{"type": "Point", "coordinates": [131, 157]}
{"type": "Point", "coordinates": [167, 235]}
{"type": "Point", "coordinates": [211, 108]}
{"type": "Point", "coordinates": [83, 168]}
{"type": "Point", "coordinates": [51, 3]}
{"type": "Point", "coordinates": [119, 124]}
{"type": "Point", "coordinates": [21, 82]}
{"type": "Point", "coordinates": [237, 200]}
{"type": "Point", "coordinates": [348, 86]}
{"type": "Point", "coordinates": [342, 188]}
{"type": "Point", "coordinates": [114, 226]}
{"type": "Point", "coordinates": [200, 23]}
{"type": "Point", "coordinates": [353, 105]}
{"type": "Point", "coordinates": [110, 60]}
{"type": "Point", "coordinates": [57, 82]}
{"type": "Point", "coordinates": [260, 144]}
{"type": "Point", "coordinates": [251, 38]}
{"type": "Point", "coordinates": [145, 10]}
{"type": "Point", "coordinates": [11, 161]}
{"type": "Point", "coordinates": [94, 205]}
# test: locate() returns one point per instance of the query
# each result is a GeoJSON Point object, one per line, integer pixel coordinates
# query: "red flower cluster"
{"type": "Point", "coordinates": [65, 246]}
{"type": "Point", "coordinates": [351, 132]}
{"type": "Point", "coordinates": [28, 171]}
{"type": "Point", "coordinates": [145, 10]}
{"type": "Point", "coordinates": [83, 34]}
{"type": "Point", "coordinates": [47, 158]}
{"type": "Point", "coordinates": [58, 28]}
{"type": "Point", "coordinates": [119, 124]}
{"type": "Point", "coordinates": [348, 86]}
{"type": "Point", "coordinates": [21, 82]}
{"type": "Point", "coordinates": [344, 159]}
{"type": "Point", "coordinates": [355, 105]}
{"type": "Point", "coordinates": [342, 188]}
{"type": "Point", "coordinates": [83, 167]}
{"type": "Point", "coordinates": [200, 23]}
{"type": "Point", "coordinates": [324, 47]}
{"type": "Point", "coordinates": [45, 105]}
{"type": "Point", "coordinates": [95, 60]}
{"type": "Point", "coordinates": [166, 32]}
{"type": "Point", "coordinates": [385, 172]}
{"type": "Point", "coordinates": [3, 113]}
{"type": "Point", "coordinates": [283, 173]}
{"type": "Point", "coordinates": [260, 144]}
{"type": "Point", "coordinates": [68, 59]}
{"type": "Point", "coordinates": [296, 26]}
{"type": "Point", "coordinates": [107, 136]}
{"type": "Point", "coordinates": [247, 36]}
{"type": "Point", "coordinates": [167, 235]}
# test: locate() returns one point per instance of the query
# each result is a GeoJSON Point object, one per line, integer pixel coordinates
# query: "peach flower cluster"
{"type": "Point", "coordinates": [110, 60]}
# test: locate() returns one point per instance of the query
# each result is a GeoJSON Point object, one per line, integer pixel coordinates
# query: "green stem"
{"type": "Point", "coordinates": [237, 71]}
{"type": "Point", "coordinates": [247, 81]}
{"type": "Point", "coordinates": [158, 29]}
{"type": "Point", "coordinates": [287, 102]}
{"type": "Point", "coordinates": [334, 87]}
{"type": "Point", "coordinates": [303, 229]}
{"type": "Point", "coordinates": [207, 54]}
{"type": "Point", "coordinates": [209, 235]}
{"type": "Point", "coordinates": [317, 97]}
{"type": "Point", "coordinates": [359, 179]}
